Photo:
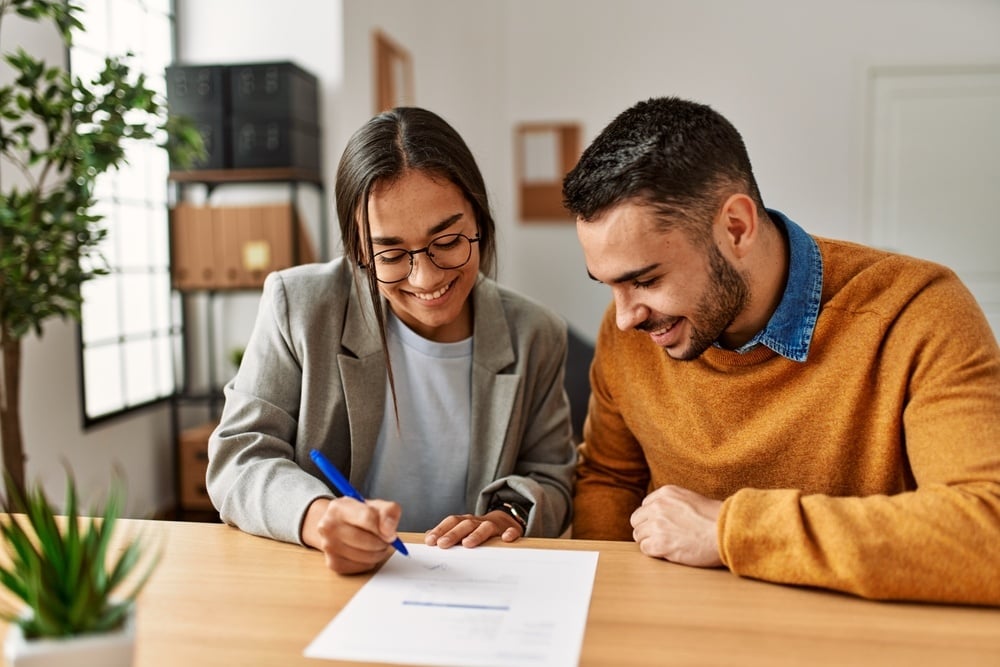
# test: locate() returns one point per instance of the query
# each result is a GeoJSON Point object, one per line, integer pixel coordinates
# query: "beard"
{"type": "Point", "coordinates": [727, 295]}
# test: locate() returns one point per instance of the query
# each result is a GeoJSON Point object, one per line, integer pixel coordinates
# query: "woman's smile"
{"type": "Point", "coordinates": [433, 296]}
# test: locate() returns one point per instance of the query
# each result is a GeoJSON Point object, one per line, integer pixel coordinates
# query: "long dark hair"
{"type": "Point", "coordinates": [382, 151]}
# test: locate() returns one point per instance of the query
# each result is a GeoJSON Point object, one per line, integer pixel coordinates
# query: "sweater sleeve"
{"type": "Point", "coordinates": [936, 542]}
{"type": "Point", "coordinates": [612, 473]}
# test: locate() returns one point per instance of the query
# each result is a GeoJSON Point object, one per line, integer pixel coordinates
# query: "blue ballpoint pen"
{"type": "Point", "coordinates": [345, 488]}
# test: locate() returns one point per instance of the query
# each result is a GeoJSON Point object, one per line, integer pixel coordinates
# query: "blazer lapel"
{"type": "Point", "coordinates": [493, 394]}
{"type": "Point", "coordinates": [363, 372]}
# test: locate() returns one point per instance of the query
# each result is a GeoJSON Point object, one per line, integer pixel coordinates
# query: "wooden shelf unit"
{"type": "Point", "coordinates": [191, 441]}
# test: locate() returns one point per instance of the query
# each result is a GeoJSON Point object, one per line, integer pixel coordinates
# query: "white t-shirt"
{"type": "Point", "coordinates": [423, 465]}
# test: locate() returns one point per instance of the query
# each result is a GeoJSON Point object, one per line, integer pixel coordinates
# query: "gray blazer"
{"type": "Point", "coordinates": [313, 376]}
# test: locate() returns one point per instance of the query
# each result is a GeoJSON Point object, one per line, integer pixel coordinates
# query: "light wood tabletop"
{"type": "Point", "coordinates": [222, 597]}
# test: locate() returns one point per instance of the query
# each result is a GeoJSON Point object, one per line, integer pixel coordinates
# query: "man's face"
{"type": "Point", "coordinates": [685, 295]}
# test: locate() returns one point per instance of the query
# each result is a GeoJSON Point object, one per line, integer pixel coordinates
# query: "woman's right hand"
{"type": "Point", "coordinates": [354, 536]}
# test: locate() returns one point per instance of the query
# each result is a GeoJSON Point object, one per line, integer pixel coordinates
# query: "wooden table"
{"type": "Point", "coordinates": [222, 597]}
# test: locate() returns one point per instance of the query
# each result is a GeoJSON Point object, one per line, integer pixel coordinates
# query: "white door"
{"type": "Point", "coordinates": [933, 178]}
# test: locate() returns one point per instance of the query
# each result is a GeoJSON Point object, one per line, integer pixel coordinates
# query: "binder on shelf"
{"type": "Point", "coordinates": [192, 261]}
{"type": "Point", "coordinates": [235, 247]}
{"type": "Point", "coordinates": [226, 221]}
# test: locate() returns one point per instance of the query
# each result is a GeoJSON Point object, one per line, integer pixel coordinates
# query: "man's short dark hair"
{"type": "Point", "coordinates": [680, 157]}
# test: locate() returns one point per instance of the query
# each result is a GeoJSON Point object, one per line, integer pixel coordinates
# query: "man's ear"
{"type": "Point", "coordinates": [739, 223]}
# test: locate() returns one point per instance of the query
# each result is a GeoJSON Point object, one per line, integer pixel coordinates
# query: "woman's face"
{"type": "Point", "coordinates": [409, 214]}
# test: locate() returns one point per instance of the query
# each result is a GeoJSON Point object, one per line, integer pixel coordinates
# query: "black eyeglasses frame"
{"type": "Point", "coordinates": [425, 250]}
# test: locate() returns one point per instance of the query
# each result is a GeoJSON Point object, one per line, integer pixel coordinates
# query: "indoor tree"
{"type": "Point", "coordinates": [58, 134]}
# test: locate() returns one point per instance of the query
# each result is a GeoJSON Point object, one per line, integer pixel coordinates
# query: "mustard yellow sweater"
{"type": "Point", "coordinates": [872, 468]}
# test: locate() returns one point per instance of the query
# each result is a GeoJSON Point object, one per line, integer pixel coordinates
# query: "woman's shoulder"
{"type": "Point", "coordinates": [308, 287]}
{"type": "Point", "coordinates": [336, 270]}
{"type": "Point", "coordinates": [306, 279]}
{"type": "Point", "coordinates": [529, 324]}
{"type": "Point", "coordinates": [521, 308]}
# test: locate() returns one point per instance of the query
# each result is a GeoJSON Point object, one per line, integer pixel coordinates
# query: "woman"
{"type": "Point", "coordinates": [437, 392]}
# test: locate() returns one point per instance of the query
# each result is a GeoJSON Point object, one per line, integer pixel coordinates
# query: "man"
{"type": "Point", "coordinates": [797, 409]}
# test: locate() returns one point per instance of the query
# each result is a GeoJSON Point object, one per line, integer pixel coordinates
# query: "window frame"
{"type": "Point", "coordinates": [163, 331]}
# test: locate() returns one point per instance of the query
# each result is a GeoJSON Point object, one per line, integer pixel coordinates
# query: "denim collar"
{"type": "Point", "coordinates": [790, 329]}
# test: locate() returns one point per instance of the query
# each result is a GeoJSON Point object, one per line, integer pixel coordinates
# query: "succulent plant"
{"type": "Point", "coordinates": [73, 576]}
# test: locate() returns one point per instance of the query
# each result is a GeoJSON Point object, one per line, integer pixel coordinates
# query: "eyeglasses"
{"type": "Point", "coordinates": [450, 251]}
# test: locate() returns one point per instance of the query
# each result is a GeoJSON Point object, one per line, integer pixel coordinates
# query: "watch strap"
{"type": "Point", "coordinates": [515, 511]}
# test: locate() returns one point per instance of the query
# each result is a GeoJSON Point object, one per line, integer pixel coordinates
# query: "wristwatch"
{"type": "Point", "coordinates": [513, 510]}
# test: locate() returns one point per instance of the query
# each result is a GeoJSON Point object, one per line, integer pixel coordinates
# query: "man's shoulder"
{"type": "Point", "coordinates": [860, 278]}
{"type": "Point", "coordinates": [846, 262]}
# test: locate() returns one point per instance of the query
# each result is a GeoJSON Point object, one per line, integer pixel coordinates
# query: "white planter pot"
{"type": "Point", "coordinates": [112, 649]}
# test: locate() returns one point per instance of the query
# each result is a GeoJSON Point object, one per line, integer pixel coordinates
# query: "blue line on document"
{"type": "Point", "coordinates": [456, 605]}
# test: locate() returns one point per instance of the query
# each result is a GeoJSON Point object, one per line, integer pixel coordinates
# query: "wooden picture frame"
{"type": "Point", "coordinates": [543, 154]}
{"type": "Point", "coordinates": [393, 73]}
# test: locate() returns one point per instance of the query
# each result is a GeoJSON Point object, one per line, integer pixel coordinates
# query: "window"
{"type": "Point", "coordinates": [126, 331]}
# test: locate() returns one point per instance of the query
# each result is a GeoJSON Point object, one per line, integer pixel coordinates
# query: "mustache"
{"type": "Point", "coordinates": [656, 325]}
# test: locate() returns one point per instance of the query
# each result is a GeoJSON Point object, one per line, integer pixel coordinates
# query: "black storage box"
{"type": "Point", "coordinates": [214, 131]}
{"type": "Point", "coordinates": [198, 89]}
{"type": "Point", "coordinates": [263, 143]}
{"type": "Point", "coordinates": [274, 91]}
{"type": "Point", "coordinates": [250, 115]}
{"type": "Point", "coordinates": [201, 93]}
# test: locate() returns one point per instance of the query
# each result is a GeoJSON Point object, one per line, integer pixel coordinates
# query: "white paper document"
{"type": "Point", "coordinates": [487, 606]}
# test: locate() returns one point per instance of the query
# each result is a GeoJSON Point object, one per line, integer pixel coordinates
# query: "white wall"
{"type": "Point", "coordinates": [789, 73]}
{"type": "Point", "coordinates": [139, 445]}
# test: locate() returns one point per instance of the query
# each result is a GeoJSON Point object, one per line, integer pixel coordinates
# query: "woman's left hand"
{"type": "Point", "coordinates": [471, 530]}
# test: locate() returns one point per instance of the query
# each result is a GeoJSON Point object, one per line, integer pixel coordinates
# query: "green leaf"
{"type": "Point", "coordinates": [112, 617]}
{"type": "Point", "coordinates": [42, 518]}
{"type": "Point", "coordinates": [123, 567]}
{"type": "Point", "coordinates": [14, 583]}
{"type": "Point", "coordinates": [59, 566]}
{"type": "Point", "coordinates": [66, 132]}
{"type": "Point", "coordinates": [74, 550]}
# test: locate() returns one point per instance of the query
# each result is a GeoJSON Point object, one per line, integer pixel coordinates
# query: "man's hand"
{"type": "Point", "coordinates": [472, 530]}
{"type": "Point", "coordinates": [678, 525]}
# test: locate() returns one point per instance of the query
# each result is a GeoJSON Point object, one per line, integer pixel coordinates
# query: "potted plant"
{"type": "Point", "coordinates": [77, 581]}
{"type": "Point", "coordinates": [60, 133]}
